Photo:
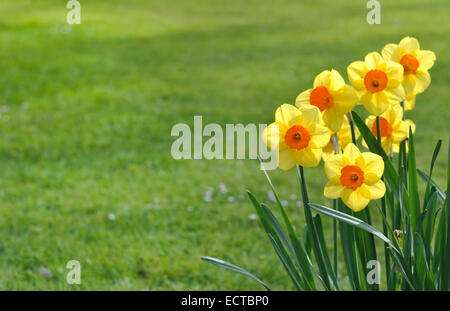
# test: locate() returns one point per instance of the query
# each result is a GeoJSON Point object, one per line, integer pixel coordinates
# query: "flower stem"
{"type": "Point", "coordinates": [352, 127]}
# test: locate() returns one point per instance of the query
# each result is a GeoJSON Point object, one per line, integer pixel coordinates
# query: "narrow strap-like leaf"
{"type": "Point", "coordinates": [231, 267]}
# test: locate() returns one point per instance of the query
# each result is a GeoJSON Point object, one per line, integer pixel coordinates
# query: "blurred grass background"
{"type": "Point", "coordinates": [85, 119]}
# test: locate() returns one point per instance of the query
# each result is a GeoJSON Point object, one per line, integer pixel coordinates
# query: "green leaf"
{"type": "Point", "coordinates": [413, 187]}
{"type": "Point", "coordinates": [277, 243]}
{"type": "Point", "coordinates": [445, 262]}
{"type": "Point", "coordinates": [424, 269]}
{"type": "Point", "coordinates": [433, 161]}
{"type": "Point", "coordinates": [231, 267]}
{"type": "Point", "coordinates": [303, 262]}
{"type": "Point", "coordinates": [425, 177]}
{"type": "Point", "coordinates": [352, 221]}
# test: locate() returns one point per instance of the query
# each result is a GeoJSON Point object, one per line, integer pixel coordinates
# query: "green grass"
{"type": "Point", "coordinates": [85, 119]}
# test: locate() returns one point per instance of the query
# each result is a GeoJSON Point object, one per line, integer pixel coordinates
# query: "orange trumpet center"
{"type": "Point", "coordinates": [385, 128]}
{"type": "Point", "coordinates": [375, 81]}
{"type": "Point", "coordinates": [352, 177]}
{"type": "Point", "coordinates": [409, 63]}
{"type": "Point", "coordinates": [297, 137]}
{"type": "Point", "coordinates": [321, 98]}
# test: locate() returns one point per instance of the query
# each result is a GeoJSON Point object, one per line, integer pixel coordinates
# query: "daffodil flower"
{"type": "Point", "coordinates": [354, 177]}
{"type": "Point", "coordinates": [415, 62]}
{"type": "Point", "coordinates": [298, 134]}
{"type": "Point", "coordinates": [378, 82]}
{"type": "Point", "coordinates": [332, 96]}
{"type": "Point", "coordinates": [393, 129]}
{"type": "Point", "coordinates": [344, 138]}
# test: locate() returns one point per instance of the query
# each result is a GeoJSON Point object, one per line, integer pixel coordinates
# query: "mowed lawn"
{"type": "Point", "coordinates": [86, 113]}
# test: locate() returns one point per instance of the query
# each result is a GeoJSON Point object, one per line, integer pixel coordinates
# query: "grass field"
{"type": "Point", "coordinates": [85, 119]}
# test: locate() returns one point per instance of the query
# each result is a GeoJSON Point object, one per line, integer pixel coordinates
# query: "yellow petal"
{"type": "Point", "coordinates": [410, 101]}
{"type": "Point", "coordinates": [323, 79]}
{"type": "Point", "coordinates": [374, 61]}
{"type": "Point", "coordinates": [273, 136]}
{"type": "Point", "coordinates": [354, 199]}
{"type": "Point", "coordinates": [394, 71]}
{"type": "Point", "coordinates": [400, 132]}
{"type": "Point", "coordinates": [396, 148]}
{"type": "Point", "coordinates": [426, 59]}
{"type": "Point", "coordinates": [423, 80]}
{"type": "Point", "coordinates": [409, 83]}
{"type": "Point", "coordinates": [334, 165]}
{"type": "Point", "coordinates": [345, 99]}
{"type": "Point", "coordinates": [333, 119]}
{"type": "Point", "coordinates": [336, 81]}
{"type": "Point", "coordinates": [333, 190]}
{"type": "Point", "coordinates": [356, 72]}
{"type": "Point", "coordinates": [285, 113]}
{"type": "Point", "coordinates": [373, 164]}
{"type": "Point", "coordinates": [370, 178]}
{"type": "Point", "coordinates": [303, 98]}
{"type": "Point", "coordinates": [286, 159]}
{"type": "Point", "coordinates": [395, 96]}
{"type": "Point", "coordinates": [352, 153]}
{"type": "Point", "coordinates": [375, 103]}
{"type": "Point", "coordinates": [310, 116]}
{"type": "Point", "coordinates": [308, 157]}
{"type": "Point", "coordinates": [377, 190]}
{"type": "Point", "coordinates": [410, 45]}
{"type": "Point", "coordinates": [319, 137]}
{"type": "Point", "coordinates": [370, 120]}
{"type": "Point", "coordinates": [394, 115]}
{"type": "Point", "coordinates": [391, 52]}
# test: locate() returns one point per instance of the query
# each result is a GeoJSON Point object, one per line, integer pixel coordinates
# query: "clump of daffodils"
{"type": "Point", "coordinates": [323, 126]}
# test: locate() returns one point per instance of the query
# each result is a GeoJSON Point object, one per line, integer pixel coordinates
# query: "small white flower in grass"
{"type": "Point", "coordinates": [208, 195]}
{"type": "Point", "coordinates": [298, 204]}
{"type": "Point", "coordinates": [252, 217]}
{"type": "Point", "coordinates": [112, 217]}
{"type": "Point", "coordinates": [190, 209]}
{"type": "Point", "coordinates": [271, 196]}
{"type": "Point", "coordinates": [45, 273]}
{"type": "Point", "coordinates": [284, 202]}
{"type": "Point", "coordinates": [230, 199]}
{"type": "Point", "coordinates": [222, 188]}
{"type": "Point", "coordinates": [293, 197]}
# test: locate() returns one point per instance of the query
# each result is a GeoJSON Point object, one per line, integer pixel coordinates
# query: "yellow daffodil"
{"type": "Point", "coordinates": [378, 82]}
{"type": "Point", "coordinates": [354, 177]}
{"type": "Point", "coordinates": [415, 62]}
{"type": "Point", "coordinates": [393, 129]}
{"type": "Point", "coordinates": [344, 138]}
{"type": "Point", "coordinates": [298, 134]}
{"type": "Point", "coordinates": [332, 96]}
